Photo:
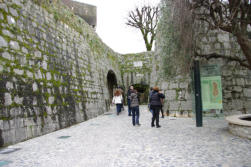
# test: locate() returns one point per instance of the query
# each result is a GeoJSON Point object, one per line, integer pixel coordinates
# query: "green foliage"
{"type": "Point", "coordinates": [62, 13]}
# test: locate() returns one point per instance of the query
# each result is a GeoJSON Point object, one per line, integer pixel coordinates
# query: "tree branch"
{"type": "Point", "coordinates": [215, 55]}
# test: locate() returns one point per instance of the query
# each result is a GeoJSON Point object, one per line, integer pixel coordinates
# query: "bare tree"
{"type": "Point", "coordinates": [145, 19]}
{"type": "Point", "coordinates": [233, 16]}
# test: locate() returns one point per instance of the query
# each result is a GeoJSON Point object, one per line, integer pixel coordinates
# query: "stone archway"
{"type": "Point", "coordinates": [111, 83]}
{"type": "Point", "coordinates": [143, 90]}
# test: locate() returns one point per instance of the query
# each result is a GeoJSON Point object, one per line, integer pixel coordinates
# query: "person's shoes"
{"type": "Point", "coordinates": [117, 113]}
{"type": "Point", "coordinates": [158, 126]}
{"type": "Point", "coordinates": [133, 124]}
{"type": "Point", "coordinates": [152, 125]}
{"type": "Point", "coordinates": [162, 116]}
{"type": "Point", "coordinates": [138, 124]}
{"type": "Point", "coordinates": [129, 114]}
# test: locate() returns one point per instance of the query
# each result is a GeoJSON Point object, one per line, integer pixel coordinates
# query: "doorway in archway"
{"type": "Point", "coordinates": [143, 90]}
{"type": "Point", "coordinates": [111, 83]}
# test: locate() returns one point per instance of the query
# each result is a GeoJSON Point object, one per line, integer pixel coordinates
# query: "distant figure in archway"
{"type": "Point", "coordinates": [118, 100]}
{"type": "Point", "coordinates": [129, 101]}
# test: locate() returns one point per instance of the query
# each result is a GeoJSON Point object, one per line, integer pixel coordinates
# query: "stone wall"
{"type": "Point", "coordinates": [85, 11]}
{"type": "Point", "coordinates": [136, 68]}
{"type": "Point", "coordinates": [236, 80]}
{"type": "Point", "coordinates": [51, 76]}
{"type": "Point", "coordinates": [236, 86]}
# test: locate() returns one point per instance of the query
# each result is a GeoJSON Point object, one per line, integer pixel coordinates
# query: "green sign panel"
{"type": "Point", "coordinates": [211, 92]}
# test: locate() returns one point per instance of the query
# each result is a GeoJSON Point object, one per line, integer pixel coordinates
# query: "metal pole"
{"type": "Point", "coordinates": [197, 87]}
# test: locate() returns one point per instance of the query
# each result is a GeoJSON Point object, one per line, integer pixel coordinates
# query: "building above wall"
{"type": "Point", "coordinates": [85, 11]}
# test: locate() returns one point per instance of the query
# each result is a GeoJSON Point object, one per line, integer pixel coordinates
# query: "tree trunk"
{"type": "Point", "coordinates": [245, 45]}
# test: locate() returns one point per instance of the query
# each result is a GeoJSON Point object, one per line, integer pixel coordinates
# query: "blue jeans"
{"type": "Point", "coordinates": [118, 106]}
{"type": "Point", "coordinates": [129, 108]}
{"type": "Point", "coordinates": [135, 115]}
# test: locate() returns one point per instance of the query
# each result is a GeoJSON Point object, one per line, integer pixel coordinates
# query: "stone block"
{"type": "Point", "coordinates": [13, 12]}
{"type": "Point", "coordinates": [240, 82]}
{"type": "Point", "coordinates": [38, 54]}
{"type": "Point", "coordinates": [247, 105]}
{"type": "Point", "coordinates": [217, 46]}
{"type": "Point", "coordinates": [8, 33]}
{"type": "Point", "coordinates": [44, 65]}
{"type": "Point", "coordinates": [3, 42]}
{"type": "Point", "coordinates": [226, 45]}
{"type": "Point", "coordinates": [9, 85]}
{"type": "Point", "coordinates": [164, 86]}
{"type": "Point", "coordinates": [20, 134]}
{"type": "Point", "coordinates": [237, 104]}
{"type": "Point", "coordinates": [4, 6]}
{"type": "Point", "coordinates": [48, 76]}
{"type": "Point", "coordinates": [51, 100]}
{"type": "Point", "coordinates": [237, 89]}
{"type": "Point", "coordinates": [247, 92]}
{"type": "Point", "coordinates": [170, 95]}
{"type": "Point", "coordinates": [223, 37]}
{"type": "Point", "coordinates": [24, 50]}
{"type": "Point", "coordinates": [18, 71]}
{"type": "Point", "coordinates": [7, 99]}
{"type": "Point", "coordinates": [34, 87]}
{"type": "Point", "coordinates": [38, 75]}
{"type": "Point", "coordinates": [14, 45]}
{"type": "Point", "coordinates": [186, 105]}
{"type": "Point", "coordinates": [183, 85]}
{"type": "Point", "coordinates": [18, 100]}
{"type": "Point", "coordinates": [1, 68]}
{"type": "Point", "coordinates": [173, 85]}
{"type": "Point", "coordinates": [29, 74]}
{"type": "Point", "coordinates": [174, 105]}
{"type": "Point", "coordinates": [6, 55]}
{"type": "Point", "coordinates": [11, 20]}
{"type": "Point", "coordinates": [48, 110]}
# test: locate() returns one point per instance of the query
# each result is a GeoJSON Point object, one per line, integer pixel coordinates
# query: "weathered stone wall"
{"type": "Point", "coordinates": [136, 68]}
{"type": "Point", "coordinates": [236, 86]}
{"type": "Point", "coordinates": [51, 76]}
{"type": "Point", "coordinates": [236, 80]}
{"type": "Point", "coordinates": [85, 11]}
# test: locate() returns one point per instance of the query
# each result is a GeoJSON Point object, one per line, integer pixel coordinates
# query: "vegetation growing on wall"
{"type": "Point", "coordinates": [174, 39]}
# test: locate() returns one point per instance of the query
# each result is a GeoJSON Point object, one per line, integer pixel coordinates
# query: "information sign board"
{"type": "Point", "coordinates": [211, 92]}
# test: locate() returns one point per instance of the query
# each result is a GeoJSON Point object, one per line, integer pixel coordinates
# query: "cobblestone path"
{"type": "Point", "coordinates": [111, 141]}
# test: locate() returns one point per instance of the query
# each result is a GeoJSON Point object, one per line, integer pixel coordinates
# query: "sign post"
{"type": "Point", "coordinates": [197, 87]}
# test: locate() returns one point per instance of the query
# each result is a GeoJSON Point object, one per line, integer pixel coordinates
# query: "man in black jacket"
{"type": "Point", "coordinates": [155, 105]}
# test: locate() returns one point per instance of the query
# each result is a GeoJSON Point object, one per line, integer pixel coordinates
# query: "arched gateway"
{"type": "Point", "coordinates": [111, 83]}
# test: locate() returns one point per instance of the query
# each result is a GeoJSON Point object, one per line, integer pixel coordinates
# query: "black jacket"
{"type": "Point", "coordinates": [155, 99]}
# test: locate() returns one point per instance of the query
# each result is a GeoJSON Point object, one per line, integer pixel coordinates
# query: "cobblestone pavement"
{"type": "Point", "coordinates": [112, 141]}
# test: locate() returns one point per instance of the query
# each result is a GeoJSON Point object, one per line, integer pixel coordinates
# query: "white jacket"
{"type": "Point", "coordinates": [117, 99]}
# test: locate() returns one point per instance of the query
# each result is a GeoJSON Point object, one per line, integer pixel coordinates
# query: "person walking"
{"type": "Point", "coordinates": [129, 101]}
{"type": "Point", "coordinates": [150, 94]}
{"type": "Point", "coordinates": [134, 98]}
{"type": "Point", "coordinates": [118, 100]}
{"type": "Point", "coordinates": [162, 103]}
{"type": "Point", "coordinates": [155, 105]}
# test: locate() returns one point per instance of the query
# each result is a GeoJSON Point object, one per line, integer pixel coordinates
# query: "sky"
{"type": "Point", "coordinates": [111, 27]}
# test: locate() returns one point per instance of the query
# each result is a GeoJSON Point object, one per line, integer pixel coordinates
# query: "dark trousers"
{"type": "Point", "coordinates": [155, 116]}
{"type": "Point", "coordinates": [161, 110]}
{"type": "Point", "coordinates": [118, 106]}
{"type": "Point", "coordinates": [135, 115]}
{"type": "Point", "coordinates": [129, 108]}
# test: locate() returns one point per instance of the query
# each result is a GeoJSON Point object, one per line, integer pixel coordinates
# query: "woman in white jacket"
{"type": "Point", "coordinates": [118, 99]}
